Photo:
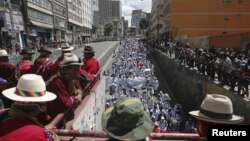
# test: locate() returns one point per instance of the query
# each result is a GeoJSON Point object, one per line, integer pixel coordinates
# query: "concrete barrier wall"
{"type": "Point", "coordinates": [90, 114]}
{"type": "Point", "coordinates": [189, 87]}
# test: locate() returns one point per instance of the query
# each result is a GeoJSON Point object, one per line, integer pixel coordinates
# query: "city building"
{"type": "Point", "coordinates": [195, 18]}
{"type": "Point", "coordinates": [95, 5]}
{"type": "Point", "coordinates": [38, 16]}
{"type": "Point", "coordinates": [157, 18]}
{"type": "Point", "coordinates": [60, 20]}
{"type": "Point", "coordinates": [126, 28]}
{"type": "Point", "coordinates": [75, 21]}
{"type": "Point", "coordinates": [80, 20]}
{"type": "Point", "coordinates": [87, 20]}
{"type": "Point", "coordinates": [110, 12]}
{"type": "Point", "coordinates": [122, 27]}
{"type": "Point", "coordinates": [137, 15]}
{"type": "Point", "coordinates": [11, 23]}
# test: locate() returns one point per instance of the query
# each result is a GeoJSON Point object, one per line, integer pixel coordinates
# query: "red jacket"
{"type": "Point", "coordinates": [91, 65]}
{"type": "Point", "coordinates": [7, 73]}
{"type": "Point", "coordinates": [65, 99]}
{"type": "Point", "coordinates": [56, 66]}
{"type": "Point", "coordinates": [24, 66]}
{"type": "Point", "coordinates": [17, 129]}
{"type": "Point", "coordinates": [42, 66]}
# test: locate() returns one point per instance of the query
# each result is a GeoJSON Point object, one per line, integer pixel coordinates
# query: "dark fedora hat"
{"type": "Point", "coordinates": [44, 50]}
{"type": "Point", "coordinates": [88, 49]}
{"type": "Point", "coordinates": [26, 51]}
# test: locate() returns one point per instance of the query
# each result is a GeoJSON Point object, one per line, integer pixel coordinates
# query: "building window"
{"type": "Point", "coordinates": [61, 1]}
{"type": "Point", "coordinates": [42, 3]}
{"type": "Point", "coordinates": [59, 22]}
{"type": "Point", "coordinates": [59, 9]}
{"type": "Point", "coordinates": [40, 17]}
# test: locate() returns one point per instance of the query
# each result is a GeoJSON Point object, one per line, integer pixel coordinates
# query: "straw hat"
{"type": "Point", "coordinates": [217, 108]}
{"type": "Point", "coordinates": [127, 120]}
{"type": "Point", "coordinates": [66, 47]}
{"type": "Point", "coordinates": [30, 88]}
{"type": "Point", "coordinates": [3, 53]}
{"type": "Point", "coordinates": [70, 59]}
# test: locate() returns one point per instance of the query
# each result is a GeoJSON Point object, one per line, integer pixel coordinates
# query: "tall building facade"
{"type": "Point", "coordinates": [192, 18]}
{"type": "Point", "coordinates": [11, 23]}
{"type": "Point", "coordinates": [80, 20]}
{"type": "Point", "coordinates": [38, 21]}
{"type": "Point", "coordinates": [95, 5]}
{"type": "Point", "coordinates": [75, 21]}
{"type": "Point", "coordinates": [87, 19]}
{"type": "Point", "coordinates": [60, 16]}
{"type": "Point", "coordinates": [109, 10]}
{"type": "Point", "coordinates": [137, 15]}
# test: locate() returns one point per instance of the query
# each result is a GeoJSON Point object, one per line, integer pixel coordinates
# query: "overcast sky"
{"type": "Point", "coordinates": [129, 5]}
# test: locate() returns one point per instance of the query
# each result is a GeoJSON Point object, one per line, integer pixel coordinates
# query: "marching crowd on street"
{"type": "Point", "coordinates": [132, 75]}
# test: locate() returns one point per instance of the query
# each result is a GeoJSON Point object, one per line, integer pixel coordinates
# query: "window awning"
{"type": "Point", "coordinates": [42, 24]}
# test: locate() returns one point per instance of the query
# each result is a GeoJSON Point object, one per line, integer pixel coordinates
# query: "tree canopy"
{"type": "Point", "coordinates": [108, 29]}
{"type": "Point", "coordinates": [144, 23]}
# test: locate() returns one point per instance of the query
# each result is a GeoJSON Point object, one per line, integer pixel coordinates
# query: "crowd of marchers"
{"type": "Point", "coordinates": [133, 75]}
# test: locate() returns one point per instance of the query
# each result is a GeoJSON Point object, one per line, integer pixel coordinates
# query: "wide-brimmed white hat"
{"type": "Point", "coordinates": [3, 53]}
{"type": "Point", "coordinates": [30, 88]}
{"type": "Point", "coordinates": [70, 59]}
{"type": "Point", "coordinates": [217, 108]}
{"type": "Point", "coordinates": [66, 47]}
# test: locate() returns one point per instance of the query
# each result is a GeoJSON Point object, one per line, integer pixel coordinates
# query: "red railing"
{"type": "Point", "coordinates": [101, 134]}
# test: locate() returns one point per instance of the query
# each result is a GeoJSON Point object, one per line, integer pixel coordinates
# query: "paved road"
{"type": "Point", "coordinates": [99, 47]}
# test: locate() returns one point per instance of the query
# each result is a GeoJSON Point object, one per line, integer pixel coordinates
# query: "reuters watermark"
{"type": "Point", "coordinates": [241, 132]}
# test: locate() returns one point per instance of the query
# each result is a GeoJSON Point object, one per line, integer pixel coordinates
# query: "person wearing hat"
{"type": "Point", "coordinates": [91, 64]}
{"type": "Point", "coordinates": [65, 86]}
{"type": "Point", "coordinates": [7, 75]}
{"type": "Point", "coordinates": [65, 48]}
{"type": "Point", "coordinates": [19, 123]}
{"type": "Point", "coordinates": [127, 120]}
{"type": "Point", "coordinates": [43, 64]}
{"type": "Point", "coordinates": [215, 109]}
{"type": "Point", "coordinates": [25, 65]}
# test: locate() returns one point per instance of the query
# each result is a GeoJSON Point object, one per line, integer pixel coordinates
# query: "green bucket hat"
{"type": "Point", "coordinates": [127, 120]}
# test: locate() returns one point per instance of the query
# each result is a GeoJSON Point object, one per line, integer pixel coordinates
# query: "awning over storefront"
{"type": "Point", "coordinates": [42, 25]}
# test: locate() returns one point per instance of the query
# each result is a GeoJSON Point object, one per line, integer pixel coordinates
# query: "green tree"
{"type": "Point", "coordinates": [132, 31]}
{"type": "Point", "coordinates": [94, 28]}
{"type": "Point", "coordinates": [108, 29]}
{"type": "Point", "coordinates": [144, 23]}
